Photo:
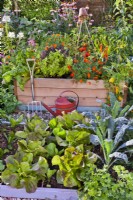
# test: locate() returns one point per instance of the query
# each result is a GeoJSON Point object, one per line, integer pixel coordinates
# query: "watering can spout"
{"type": "Point", "coordinates": [49, 109]}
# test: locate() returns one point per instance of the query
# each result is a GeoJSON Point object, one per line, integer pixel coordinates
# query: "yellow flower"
{"type": "Point", "coordinates": [111, 80]}
{"type": "Point", "coordinates": [120, 98]}
{"type": "Point", "coordinates": [116, 90]}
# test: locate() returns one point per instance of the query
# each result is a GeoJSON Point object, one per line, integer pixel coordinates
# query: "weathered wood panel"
{"type": "Point", "coordinates": [91, 94]}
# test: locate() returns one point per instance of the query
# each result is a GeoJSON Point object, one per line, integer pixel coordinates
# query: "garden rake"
{"type": "Point", "coordinates": [34, 107]}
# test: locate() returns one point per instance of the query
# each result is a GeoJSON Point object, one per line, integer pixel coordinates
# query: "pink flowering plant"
{"type": "Point", "coordinates": [65, 17]}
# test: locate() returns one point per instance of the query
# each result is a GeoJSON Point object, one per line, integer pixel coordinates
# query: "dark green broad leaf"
{"type": "Point", "coordinates": [30, 184]}
{"type": "Point", "coordinates": [10, 178]}
{"type": "Point", "coordinates": [51, 149]}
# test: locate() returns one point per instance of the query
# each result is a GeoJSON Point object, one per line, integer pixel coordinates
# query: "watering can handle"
{"type": "Point", "coordinates": [72, 92]}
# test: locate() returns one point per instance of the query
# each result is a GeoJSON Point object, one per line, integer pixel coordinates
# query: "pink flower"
{"type": "Point", "coordinates": [31, 42]}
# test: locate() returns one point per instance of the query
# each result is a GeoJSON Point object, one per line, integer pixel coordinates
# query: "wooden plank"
{"type": "Point", "coordinates": [42, 92]}
{"type": "Point", "coordinates": [40, 193]}
{"type": "Point", "coordinates": [62, 83]}
{"type": "Point", "coordinates": [51, 101]}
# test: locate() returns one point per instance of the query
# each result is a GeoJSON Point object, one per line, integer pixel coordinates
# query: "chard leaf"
{"type": "Point", "coordinates": [119, 155]}
{"type": "Point", "coordinates": [120, 134]}
{"type": "Point", "coordinates": [126, 144]}
{"type": "Point", "coordinates": [94, 139]}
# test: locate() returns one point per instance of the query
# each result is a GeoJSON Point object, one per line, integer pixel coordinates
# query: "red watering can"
{"type": "Point", "coordinates": [63, 104]}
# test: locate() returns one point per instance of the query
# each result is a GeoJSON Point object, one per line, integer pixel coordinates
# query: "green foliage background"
{"type": "Point", "coordinates": [32, 9]}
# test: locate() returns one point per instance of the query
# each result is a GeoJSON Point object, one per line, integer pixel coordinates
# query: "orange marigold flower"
{"type": "Point", "coordinates": [75, 60]}
{"type": "Point", "coordinates": [94, 59]}
{"type": "Point", "coordinates": [8, 57]}
{"type": "Point", "coordinates": [88, 75]}
{"type": "Point", "coordinates": [69, 67]}
{"type": "Point", "coordinates": [81, 81]}
{"type": "Point", "coordinates": [95, 78]}
{"type": "Point", "coordinates": [101, 47]}
{"type": "Point", "coordinates": [46, 48]}
{"type": "Point", "coordinates": [54, 45]}
{"type": "Point", "coordinates": [99, 72]}
{"type": "Point", "coordinates": [100, 62]}
{"type": "Point", "coordinates": [94, 68]}
{"type": "Point", "coordinates": [87, 54]}
{"type": "Point", "coordinates": [86, 60]}
{"type": "Point", "coordinates": [72, 75]}
{"type": "Point", "coordinates": [81, 49]}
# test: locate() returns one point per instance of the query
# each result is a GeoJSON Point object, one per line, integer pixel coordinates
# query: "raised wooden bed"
{"type": "Point", "coordinates": [91, 94]}
{"type": "Point", "coordinates": [9, 193]}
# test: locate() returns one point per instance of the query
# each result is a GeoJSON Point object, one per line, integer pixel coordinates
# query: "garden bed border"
{"type": "Point", "coordinates": [40, 193]}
